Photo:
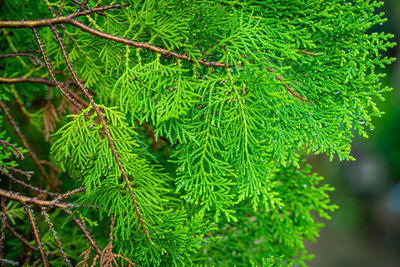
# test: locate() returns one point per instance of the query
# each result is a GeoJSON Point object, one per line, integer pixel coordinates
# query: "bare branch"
{"type": "Point", "coordinates": [36, 234]}
{"type": "Point", "coordinates": [26, 144]}
{"type": "Point", "coordinates": [12, 169]}
{"type": "Point", "coordinates": [15, 150]}
{"type": "Point", "coordinates": [26, 242]}
{"type": "Point", "coordinates": [50, 70]}
{"type": "Point", "coordinates": [55, 20]}
{"type": "Point", "coordinates": [33, 188]}
{"type": "Point", "coordinates": [29, 200]}
{"type": "Point", "coordinates": [27, 80]}
{"type": "Point", "coordinates": [47, 218]}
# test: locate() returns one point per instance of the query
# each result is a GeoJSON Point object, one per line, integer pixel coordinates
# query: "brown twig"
{"type": "Point", "coordinates": [3, 225]}
{"type": "Point", "coordinates": [31, 153]}
{"type": "Point", "coordinates": [15, 150]}
{"type": "Point", "coordinates": [47, 218]}
{"type": "Point", "coordinates": [50, 71]}
{"type": "Point", "coordinates": [287, 86]}
{"type": "Point", "coordinates": [70, 193]}
{"type": "Point", "coordinates": [36, 234]}
{"type": "Point", "coordinates": [26, 80]}
{"type": "Point", "coordinates": [147, 46]}
{"type": "Point", "coordinates": [107, 256]}
{"type": "Point", "coordinates": [29, 200]}
{"type": "Point", "coordinates": [33, 188]}
{"type": "Point", "coordinates": [28, 175]}
{"type": "Point", "coordinates": [55, 20]}
{"type": "Point", "coordinates": [8, 261]}
{"type": "Point", "coordinates": [34, 59]}
{"type": "Point", "coordinates": [306, 52]}
{"type": "Point", "coordinates": [84, 231]}
{"type": "Point", "coordinates": [106, 130]}
{"type": "Point", "coordinates": [26, 242]}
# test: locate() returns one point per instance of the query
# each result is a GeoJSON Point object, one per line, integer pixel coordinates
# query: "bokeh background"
{"type": "Point", "coordinates": [365, 231]}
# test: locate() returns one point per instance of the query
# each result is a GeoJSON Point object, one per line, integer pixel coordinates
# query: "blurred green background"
{"type": "Point", "coordinates": [365, 231]}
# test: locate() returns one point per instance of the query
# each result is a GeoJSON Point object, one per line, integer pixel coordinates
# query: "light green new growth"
{"type": "Point", "coordinates": [225, 183]}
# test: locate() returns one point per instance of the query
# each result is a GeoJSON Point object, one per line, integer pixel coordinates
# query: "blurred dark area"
{"type": "Point", "coordinates": [365, 231]}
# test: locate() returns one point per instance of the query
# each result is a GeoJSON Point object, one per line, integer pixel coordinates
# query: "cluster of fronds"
{"type": "Point", "coordinates": [177, 129]}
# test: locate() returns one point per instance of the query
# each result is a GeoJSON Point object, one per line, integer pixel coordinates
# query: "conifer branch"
{"type": "Point", "coordinates": [55, 20]}
{"type": "Point", "coordinates": [36, 233]}
{"type": "Point", "coordinates": [106, 130]}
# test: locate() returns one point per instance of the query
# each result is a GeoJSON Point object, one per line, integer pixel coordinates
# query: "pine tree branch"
{"type": "Point", "coordinates": [106, 130]}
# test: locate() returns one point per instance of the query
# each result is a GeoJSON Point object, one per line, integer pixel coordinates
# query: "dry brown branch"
{"type": "Point", "coordinates": [70, 20]}
{"type": "Point", "coordinates": [50, 71]}
{"type": "Point", "coordinates": [28, 175]}
{"type": "Point", "coordinates": [33, 188]}
{"type": "Point", "coordinates": [47, 218]}
{"type": "Point", "coordinates": [29, 200]}
{"type": "Point", "coordinates": [26, 80]}
{"type": "Point", "coordinates": [26, 242]}
{"type": "Point", "coordinates": [31, 153]}
{"type": "Point", "coordinates": [17, 151]}
{"type": "Point", "coordinates": [36, 234]}
{"type": "Point", "coordinates": [3, 225]}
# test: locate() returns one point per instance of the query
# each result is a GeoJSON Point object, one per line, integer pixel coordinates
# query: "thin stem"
{"type": "Point", "coordinates": [287, 86]}
{"type": "Point", "coordinates": [106, 130]}
{"type": "Point", "coordinates": [26, 242]}
{"type": "Point", "coordinates": [27, 80]}
{"type": "Point", "coordinates": [31, 153]}
{"type": "Point", "coordinates": [55, 20]}
{"type": "Point", "coordinates": [33, 188]}
{"type": "Point", "coordinates": [29, 200]}
{"type": "Point", "coordinates": [15, 150]}
{"type": "Point", "coordinates": [36, 234]}
{"type": "Point", "coordinates": [50, 71]}
{"type": "Point", "coordinates": [53, 231]}
{"type": "Point", "coordinates": [28, 175]}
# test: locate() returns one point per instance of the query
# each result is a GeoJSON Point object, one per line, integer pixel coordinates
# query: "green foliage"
{"type": "Point", "coordinates": [223, 185]}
